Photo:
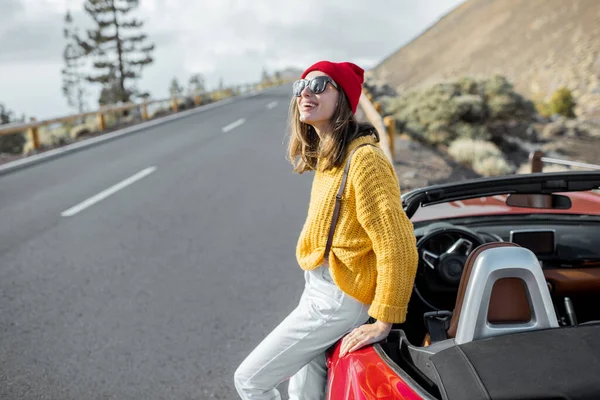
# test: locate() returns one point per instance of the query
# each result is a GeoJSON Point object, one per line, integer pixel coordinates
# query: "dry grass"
{"type": "Point", "coordinates": [466, 151]}
{"type": "Point", "coordinates": [483, 157]}
{"type": "Point", "coordinates": [526, 168]}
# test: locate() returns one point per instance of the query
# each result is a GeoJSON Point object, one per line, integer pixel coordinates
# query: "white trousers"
{"type": "Point", "coordinates": [296, 348]}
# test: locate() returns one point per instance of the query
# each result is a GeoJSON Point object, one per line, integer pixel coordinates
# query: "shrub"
{"type": "Point", "coordinates": [543, 108]}
{"type": "Point", "coordinates": [510, 106]}
{"type": "Point", "coordinates": [468, 85]}
{"type": "Point", "coordinates": [12, 143]}
{"type": "Point", "coordinates": [439, 133]}
{"type": "Point", "coordinates": [562, 103]}
{"type": "Point", "coordinates": [438, 109]}
{"type": "Point", "coordinates": [502, 106]}
{"type": "Point", "coordinates": [465, 151]}
{"type": "Point", "coordinates": [492, 166]}
{"type": "Point", "coordinates": [526, 168]}
{"type": "Point", "coordinates": [497, 85]}
{"type": "Point", "coordinates": [471, 131]}
{"type": "Point", "coordinates": [445, 111]}
{"type": "Point", "coordinates": [470, 108]}
{"type": "Point", "coordinates": [415, 129]}
{"type": "Point", "coordinates": [78, 131]}
{"type": "Point", "coordinates": [483, 157]}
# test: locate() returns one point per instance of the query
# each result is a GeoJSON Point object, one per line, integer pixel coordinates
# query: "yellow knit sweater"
{"type": "Point", "coordinates": [373, 256]}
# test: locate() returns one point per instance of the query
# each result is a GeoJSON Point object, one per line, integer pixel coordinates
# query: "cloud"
{"type": "Point", "coordinates": [10, 9]}
{"type": "Point", "coordinates": [229, 39]}
{"type": "Point", "coordinates": [31, 30]}
{"type": "Point", "coordinates": [16, 42]}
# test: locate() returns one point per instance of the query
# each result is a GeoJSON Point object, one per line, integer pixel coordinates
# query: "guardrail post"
{"type": "Point", "coordinates": [101, 122]}
{"type": "Point", "coordinates": [197, 100]}
{"type": "Point", "coordinates": [144, 111]}
{"type": "Point", "coordinates": [535, 158]}
{"type": "Point", "coordinates": [174, 105]}
{"type": "Point", "coordinates": [378, 107]}
{"type": "Point", "coordinates": [390, 125]}
{"type": "Point", "coordinates": [34, 135]}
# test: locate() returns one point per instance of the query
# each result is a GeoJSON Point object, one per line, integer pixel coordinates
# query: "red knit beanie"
{"type": "Point", "coordinates": [348, 76]}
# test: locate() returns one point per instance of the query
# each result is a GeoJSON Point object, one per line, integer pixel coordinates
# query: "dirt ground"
{"type": "Point", "coordinates": [418, 165]}
{"type": "Point", "coordinates": [586, 150]}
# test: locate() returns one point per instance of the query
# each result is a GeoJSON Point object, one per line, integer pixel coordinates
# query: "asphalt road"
{"type": "Point", "coordinates": [160, 289]}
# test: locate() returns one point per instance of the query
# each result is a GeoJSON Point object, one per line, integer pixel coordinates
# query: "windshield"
{"type": "Point", "coordinates": [583, 203]}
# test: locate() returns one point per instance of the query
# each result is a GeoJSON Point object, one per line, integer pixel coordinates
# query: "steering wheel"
{"type": "Point", "coordinates": [440, 270]}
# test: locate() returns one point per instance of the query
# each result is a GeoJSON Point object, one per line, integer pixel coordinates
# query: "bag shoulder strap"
{"type": "Point", "coordinates": [338, 200]}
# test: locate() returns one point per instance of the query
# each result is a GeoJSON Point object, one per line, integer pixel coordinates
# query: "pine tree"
{"type": "Point", "coordinates": [110, 93]}
{"type": "Point", "coordinates": [118, 56]}
{"type": "Point", "coordinates": [73, 55]}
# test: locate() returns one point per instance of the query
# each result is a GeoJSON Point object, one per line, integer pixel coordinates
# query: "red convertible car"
{"type": "Point", "coordinates": [506, 302]}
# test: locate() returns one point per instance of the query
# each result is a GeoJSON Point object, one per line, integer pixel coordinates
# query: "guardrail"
{"type": "Point", "coordinates": [537, 159]}
{"type": "Point", "coordinates": [386, 127]}
{"type": "Point", "coordinates": [172, 104]}
{"type": "Point", "coordinates": [32, 128]}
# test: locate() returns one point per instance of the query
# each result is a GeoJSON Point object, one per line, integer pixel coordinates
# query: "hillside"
{"type": "Point", "coordinates": [539, 45]}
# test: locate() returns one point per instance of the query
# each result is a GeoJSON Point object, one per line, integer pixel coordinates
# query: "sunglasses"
{"type": "Point", "coordinates": [316, 85]}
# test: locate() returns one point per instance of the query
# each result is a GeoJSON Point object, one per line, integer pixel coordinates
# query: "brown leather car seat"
{"type": "Point", "coordinates": [508, 303]}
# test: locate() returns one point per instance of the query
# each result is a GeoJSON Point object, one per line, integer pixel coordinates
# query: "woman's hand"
{"type": "Point", "coordinates": [364, 335]}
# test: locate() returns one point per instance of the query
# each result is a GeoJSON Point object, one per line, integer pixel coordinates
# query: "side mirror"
{"type": "Point", "coordinates": [545, 201]}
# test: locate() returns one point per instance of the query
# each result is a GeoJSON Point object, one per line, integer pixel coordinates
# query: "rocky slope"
{"type": "Point", "coordinates": [539, 45]}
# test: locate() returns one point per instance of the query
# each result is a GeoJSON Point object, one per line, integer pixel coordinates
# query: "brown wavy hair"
{"type": "Point", "coordinates": [306, 149]}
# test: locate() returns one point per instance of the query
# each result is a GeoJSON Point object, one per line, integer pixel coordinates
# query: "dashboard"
{"type": "Point", "coordinates": [559, 245]}
{"type": "Point", "coordinates": [568, 252]}
{"type": "Point", "coordinates": [553, 244]}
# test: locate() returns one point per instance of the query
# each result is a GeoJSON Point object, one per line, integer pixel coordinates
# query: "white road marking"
{"type": "Point", "coordinates": [272, 104]}
{"type": "Point", "coordinates": [234, 125]}
{"type": "Point", "coordinates": [105, 193]}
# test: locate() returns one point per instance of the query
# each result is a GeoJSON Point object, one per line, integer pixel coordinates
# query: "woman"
{"type": "Point", "coordinates": [364, 268]}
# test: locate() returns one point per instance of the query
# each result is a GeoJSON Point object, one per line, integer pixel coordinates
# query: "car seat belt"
{"type": "Point", "coordinates": [437, 323]}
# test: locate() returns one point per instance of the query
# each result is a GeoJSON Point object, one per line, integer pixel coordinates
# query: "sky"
{"type": "Point", "coordinates": [229, 39]}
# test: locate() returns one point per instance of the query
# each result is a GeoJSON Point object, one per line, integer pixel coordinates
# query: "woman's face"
{"type": "Point", "coordinates": [317, 109]}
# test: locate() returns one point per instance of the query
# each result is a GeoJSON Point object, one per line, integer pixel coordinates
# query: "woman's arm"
{"type": "Point", "coordinates": [379, 211]}
{"type": "Point", "coordinates": [364, 335]}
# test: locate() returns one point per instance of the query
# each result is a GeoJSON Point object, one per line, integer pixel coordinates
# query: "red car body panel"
{"type": "Point", "coordinates": [364, 375]}
{"type": "Point", "coordinates": [582, 203]}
